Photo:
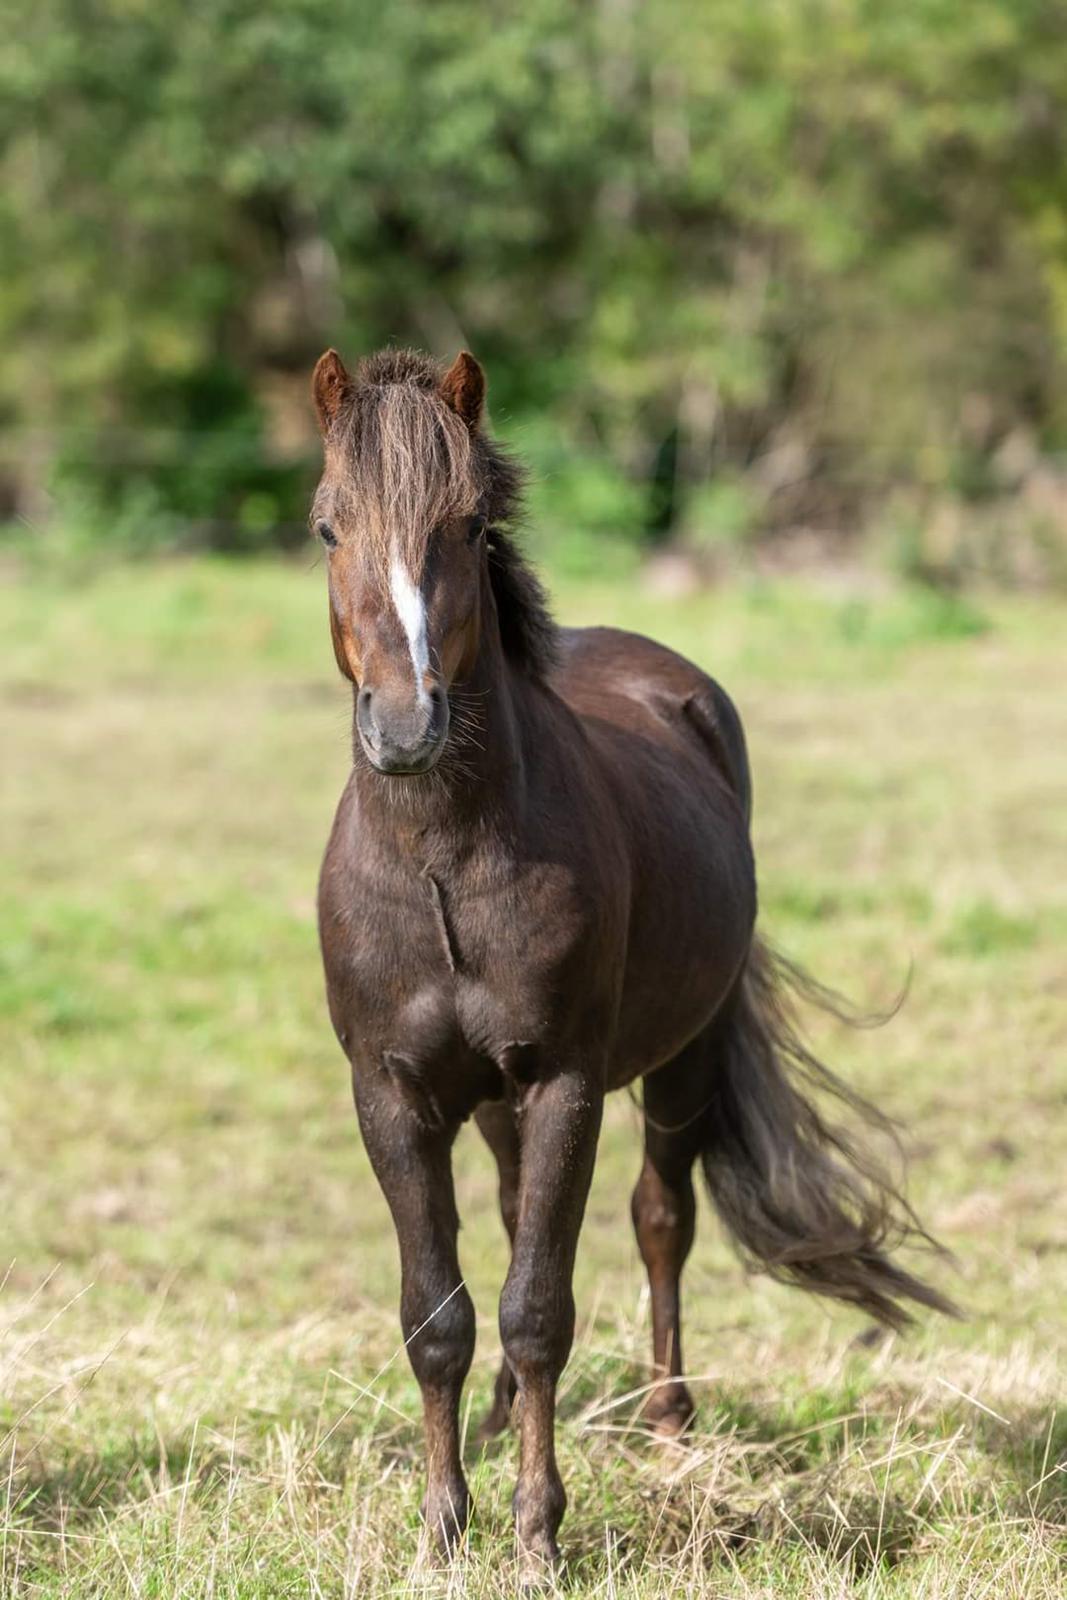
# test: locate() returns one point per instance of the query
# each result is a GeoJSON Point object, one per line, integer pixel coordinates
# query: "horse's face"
{"type": "Point", "coordinates": [398, 513]}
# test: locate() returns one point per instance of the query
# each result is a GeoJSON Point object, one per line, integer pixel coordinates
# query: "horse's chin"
{"type": "Point", "coordinates": [403, 766]}
{"type": "Point", "coordinates": [405, 775]}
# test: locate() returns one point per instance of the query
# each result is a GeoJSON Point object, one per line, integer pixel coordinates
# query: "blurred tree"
{"type": "Point", "coordinates": [759, 264]}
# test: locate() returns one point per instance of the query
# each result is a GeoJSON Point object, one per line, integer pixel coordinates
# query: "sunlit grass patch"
{"type": "Point", "coordinates": [981, 928]}
{"type": "Point", "coordinates": [202, 1390]}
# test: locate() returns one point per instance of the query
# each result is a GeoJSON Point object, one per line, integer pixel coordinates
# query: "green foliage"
{"type": "Point", "coordinates": [578, 508]}
{"type": "Point", "coordinates": [724, 512]}
{"type": "Point", "coordinates": [807, 250]}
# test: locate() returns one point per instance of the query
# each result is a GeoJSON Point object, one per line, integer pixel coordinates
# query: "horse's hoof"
{"type": "Point", "coordinates": [670, 1422]}
{"type": "Point", "coordinates": [671, 1429]}
{"type": "Point", "coordinates": [446, 1521]}
{"type": "Point", "coordinates": [539, 1571]}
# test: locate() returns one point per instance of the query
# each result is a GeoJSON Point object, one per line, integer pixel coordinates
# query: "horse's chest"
{"type": "Point", "coordinates": [455, 986]}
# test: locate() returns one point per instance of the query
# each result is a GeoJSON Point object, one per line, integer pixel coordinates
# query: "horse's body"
{"type": "Point", "coordinates": [540, 887]}
{"type": "Point", "coordinates": [619, 847]}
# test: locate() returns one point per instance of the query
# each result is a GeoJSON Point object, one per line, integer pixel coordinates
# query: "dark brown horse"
{"type": "Point", "coordinates": [539, 887]}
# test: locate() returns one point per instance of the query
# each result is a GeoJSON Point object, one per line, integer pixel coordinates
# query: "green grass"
{"type": "Point", "coordinates": [201, 1390]}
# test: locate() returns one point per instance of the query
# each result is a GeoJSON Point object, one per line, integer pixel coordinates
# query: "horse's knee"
{"type": "Point", "coordinates": [536, 1326]}
{"type": "Point", "coordinates": [439, 1332]}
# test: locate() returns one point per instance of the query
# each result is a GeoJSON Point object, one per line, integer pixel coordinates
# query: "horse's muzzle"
{"type": "Point", "coordinates": [402, 739]}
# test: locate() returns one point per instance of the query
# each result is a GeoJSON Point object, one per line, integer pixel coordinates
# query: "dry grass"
{"type": "Point", "coordinates": [201, 1390]}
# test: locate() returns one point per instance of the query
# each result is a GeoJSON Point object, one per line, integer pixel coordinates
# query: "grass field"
{"type": "Point", "coordinates": [201, 1386]}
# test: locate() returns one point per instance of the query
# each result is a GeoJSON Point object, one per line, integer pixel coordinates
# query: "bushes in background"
{"type": "Point", "coordinates": [734, 270]}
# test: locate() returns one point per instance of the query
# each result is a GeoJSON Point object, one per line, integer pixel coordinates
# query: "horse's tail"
{"type": "Point", "coordinates": [800, 1198]}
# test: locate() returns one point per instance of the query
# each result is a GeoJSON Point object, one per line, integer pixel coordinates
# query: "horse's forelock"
{"type": "Point", "coordinates": [409, 462]}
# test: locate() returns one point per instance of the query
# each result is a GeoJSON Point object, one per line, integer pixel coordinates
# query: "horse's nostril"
{"type": "Point", "coordinates": [365, 718]}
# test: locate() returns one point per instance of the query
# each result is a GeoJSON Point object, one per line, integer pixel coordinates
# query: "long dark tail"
{"type": "Point", "coordinates": [802, 1200]}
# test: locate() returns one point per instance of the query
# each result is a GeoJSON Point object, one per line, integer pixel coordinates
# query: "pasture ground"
{"type": "Point", "coordinates": [201, 1390]}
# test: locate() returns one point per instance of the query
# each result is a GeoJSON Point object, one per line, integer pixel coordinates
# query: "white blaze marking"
{"type": "Point", "coordinates": [411, 609]}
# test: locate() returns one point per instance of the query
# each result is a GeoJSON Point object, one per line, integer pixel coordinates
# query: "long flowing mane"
{"type": "Point", "coordinates": [409, 462]}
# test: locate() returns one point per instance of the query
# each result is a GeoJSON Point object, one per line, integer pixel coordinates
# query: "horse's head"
{"type": "Point", "coordinates": [408, 487]}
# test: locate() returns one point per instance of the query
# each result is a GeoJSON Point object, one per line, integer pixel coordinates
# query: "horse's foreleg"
{"type": "Point", "coordinates": [559, 1124]}
{"type": "Point", "coordinates": [498, 1127]}
{"type": "Point", "coordinates": [413, 1164]}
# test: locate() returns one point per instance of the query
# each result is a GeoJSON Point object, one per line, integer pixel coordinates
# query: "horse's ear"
{"type": "Point", "coordinates": [331, 388]}
{"type": "Point", "coordinates": [463, 388]}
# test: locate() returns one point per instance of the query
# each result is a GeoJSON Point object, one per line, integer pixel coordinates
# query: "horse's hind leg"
{"type": "Point", "coordinates": [498, 1127]}
{"type": "Point", "coordinates": [664, 1216]}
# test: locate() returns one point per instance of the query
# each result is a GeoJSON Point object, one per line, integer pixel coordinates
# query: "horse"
{"type": "Point", "coordinates": [540, 887]}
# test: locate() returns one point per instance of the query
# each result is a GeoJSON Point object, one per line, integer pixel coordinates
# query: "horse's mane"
{"type": "Point", "coordinates": [410, 461]}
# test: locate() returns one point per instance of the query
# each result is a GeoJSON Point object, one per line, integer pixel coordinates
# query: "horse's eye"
{"type": "Point", "coordinates": [476, 529]}
{"type": "Point", "coordinates": [326, 533]}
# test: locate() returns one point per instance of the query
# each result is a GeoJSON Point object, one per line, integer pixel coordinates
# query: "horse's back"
{"type": "Point", "coordinates": [628, 681]}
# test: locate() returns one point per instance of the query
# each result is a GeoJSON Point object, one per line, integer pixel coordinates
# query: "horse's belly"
{"type": "Point", "coordinates": [692, 915]}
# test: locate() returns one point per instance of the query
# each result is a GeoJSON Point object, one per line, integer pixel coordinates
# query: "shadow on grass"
{"type": "Point", "coordinates": [841, 1472]}
{"type": "Point", "coordinates": [82, 1484]}
{"type": "Point", "coordinates": [862, 1482]}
